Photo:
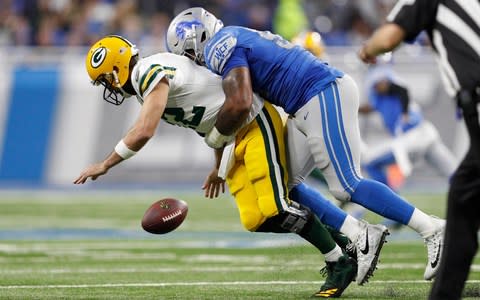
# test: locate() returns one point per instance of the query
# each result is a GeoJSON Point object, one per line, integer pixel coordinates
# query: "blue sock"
{"type": "Point", "coordinates": [326, 211]}
{"type": "Point", "coordinates": [379, 198]}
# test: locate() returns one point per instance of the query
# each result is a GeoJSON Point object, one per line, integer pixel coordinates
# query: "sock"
{"type": "Point", "coordinates": [339, 238]}
{"type": "Point", "coordinates": [380, 199]}
{"type": "Point", "coordinates": [317, 235]}
{"type": "Point", "coordinates": [351, 227]}
{"type": "Point", "coordinates": [334, 255]}
{"type": "Point", "coordinates": [422, 223]}
{"type": "Point", "coordinates": [327, 212]}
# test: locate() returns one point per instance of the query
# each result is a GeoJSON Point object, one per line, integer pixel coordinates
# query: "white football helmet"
{"type": "Point", "coordinates": [190, 30]}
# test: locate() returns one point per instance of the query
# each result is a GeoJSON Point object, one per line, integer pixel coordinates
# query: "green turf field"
{"type": "Point", "coordinates": [91, 246]}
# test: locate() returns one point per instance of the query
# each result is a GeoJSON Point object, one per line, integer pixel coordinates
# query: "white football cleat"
{"type": "Point", "coordinates": [434, 244]}
{"type": "Point", "coordinates": [368, 244]}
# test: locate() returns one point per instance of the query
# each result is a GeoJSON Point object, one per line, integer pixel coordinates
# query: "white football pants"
{"type": "Point", "coordinates": [324, 133]}
{"type": "Point", "coordinates": [422, 141]}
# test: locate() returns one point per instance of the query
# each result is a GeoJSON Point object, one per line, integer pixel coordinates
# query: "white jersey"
{"type": "Point", "coordinates": [195, 94]}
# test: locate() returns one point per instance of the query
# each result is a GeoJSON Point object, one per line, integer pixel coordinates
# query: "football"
{"type": "Point", "coordinates": [164, 215]}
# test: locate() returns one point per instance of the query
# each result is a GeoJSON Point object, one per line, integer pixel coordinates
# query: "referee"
{"type": "Point", "coordinates": [454, 30]}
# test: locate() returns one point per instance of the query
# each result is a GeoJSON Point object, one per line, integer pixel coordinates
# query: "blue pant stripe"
{"type": "Point", "coordinates": [342, 132]}
{"type": "Point", "coordinates": [329, 124]}
{"type": "Point", "coordinates": [335, 138]}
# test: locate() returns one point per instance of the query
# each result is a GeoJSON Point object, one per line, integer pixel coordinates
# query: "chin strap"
{"type": "Point", "coordinates": [118, 86]}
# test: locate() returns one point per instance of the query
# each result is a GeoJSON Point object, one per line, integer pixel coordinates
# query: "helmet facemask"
{"type": "Point", "coordinates": [112, 92]}
{"type": "Point", "coordinates": [194, 43]}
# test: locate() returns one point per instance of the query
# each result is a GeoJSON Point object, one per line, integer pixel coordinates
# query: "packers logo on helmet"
{"type": "Point", "coordinates": [108, 63]}
{"type": "Point", "coordinates": [98, 57]}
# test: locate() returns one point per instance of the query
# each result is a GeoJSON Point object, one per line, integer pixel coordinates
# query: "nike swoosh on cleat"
{"type": "Point", "coordinates": [434, 263]}
{"type": "Point", "coordinates": [365, 250]}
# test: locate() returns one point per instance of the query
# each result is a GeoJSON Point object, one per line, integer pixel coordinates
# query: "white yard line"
{"type": "Point", "coordinates": [197, 269]}
{"type": "Point", "coordinates": [198, 283]}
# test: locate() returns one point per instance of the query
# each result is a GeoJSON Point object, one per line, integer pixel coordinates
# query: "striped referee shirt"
{"type": "Point", "coordinates": [454, 30]}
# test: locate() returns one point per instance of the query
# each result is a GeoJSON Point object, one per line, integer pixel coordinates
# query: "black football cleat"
{"type": "Point", "coordinates": [339, 275]}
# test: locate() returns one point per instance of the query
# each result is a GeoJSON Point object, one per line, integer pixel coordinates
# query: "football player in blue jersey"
{"type": "Point", "coordinates": [322, 103]}
{"type": "Point", "coordinates": [413, 137]}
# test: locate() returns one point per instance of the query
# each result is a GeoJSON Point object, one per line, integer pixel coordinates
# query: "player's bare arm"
{"type": "Point", "coordinates": [143, 129]}
{"type": "Point", "coordinates": [238, 100]}
{"type": "Point", "coordinates": [385, 39]}
{"type": "Point", "coordinates": [149, 118]}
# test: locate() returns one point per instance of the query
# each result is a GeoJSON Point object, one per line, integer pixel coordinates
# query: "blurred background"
{"type": "Point", "coordinates": [53, 122]}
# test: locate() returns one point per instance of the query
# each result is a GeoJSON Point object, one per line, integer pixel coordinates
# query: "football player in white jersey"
{"type": "Point", "coordinates": [176, 89]}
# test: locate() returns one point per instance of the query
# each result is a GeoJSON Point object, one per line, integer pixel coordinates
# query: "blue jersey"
{"type": "Point", "coordinates": [390, 109]}
{"type": "Point", "coordinates": [284, 74]}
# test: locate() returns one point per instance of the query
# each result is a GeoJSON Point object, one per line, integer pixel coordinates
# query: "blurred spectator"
{"type": "Point", "coordinates": [154, 37]}
{"type": "Point", "coordinates": [290, 18]}
{"type": "Point", "coordinates": [82, 22]}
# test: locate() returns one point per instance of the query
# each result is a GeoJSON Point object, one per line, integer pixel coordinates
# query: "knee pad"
{"type": "Point", "coordinates": [295, 217]}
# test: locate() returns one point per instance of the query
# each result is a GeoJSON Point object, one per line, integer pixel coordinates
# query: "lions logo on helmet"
{"type": "Point", "coordinates": [190, 31]}
{"type": "Point", "coordinates": [183, 28]}
{"type": "Point", "coordinates": [108, 63]}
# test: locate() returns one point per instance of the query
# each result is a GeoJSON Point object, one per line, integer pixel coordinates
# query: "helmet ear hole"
{"type": "Point", "coordinates": [204, 37]}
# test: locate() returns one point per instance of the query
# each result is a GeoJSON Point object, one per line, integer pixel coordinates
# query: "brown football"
{"type": "Point", "coordinates": [164, 215]}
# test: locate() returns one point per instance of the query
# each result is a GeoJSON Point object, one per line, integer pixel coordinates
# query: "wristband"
{"type": "Point", "coordinates": [123, 151]}
{"type": "Point", "coordinates": [217, 140]}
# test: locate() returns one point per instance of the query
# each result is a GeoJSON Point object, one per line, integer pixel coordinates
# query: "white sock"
{"type": "Point", "coordinates": [422, 223]}
{"type": "Point", "coordinates": [350, 227]}
{"type": "Point", "coordinates": [334, 254]}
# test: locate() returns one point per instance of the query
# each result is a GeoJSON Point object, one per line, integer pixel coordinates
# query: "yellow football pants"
{"type": "Point", "coordinates": [258, 180]}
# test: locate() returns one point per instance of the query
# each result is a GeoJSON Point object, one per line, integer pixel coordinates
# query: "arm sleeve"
{"type": "Point", "coordinates": [402, 93]}
{"type": "Point", "coordinates": [413, 16]}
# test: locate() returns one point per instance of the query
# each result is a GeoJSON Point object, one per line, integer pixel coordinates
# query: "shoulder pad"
{"type": "Point", "coordinates": [149, 75]}
{"type": "Point", "coordinates": [218, 52]}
